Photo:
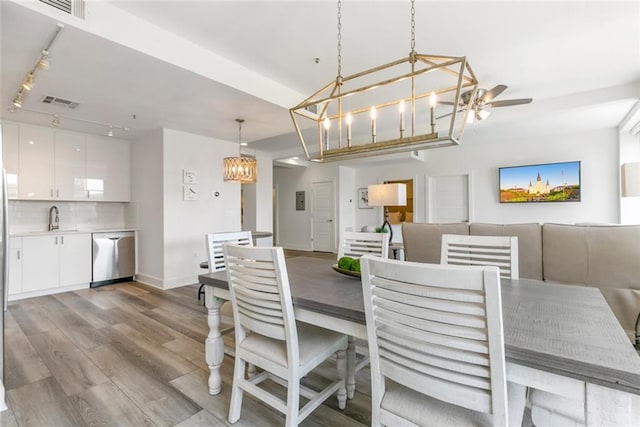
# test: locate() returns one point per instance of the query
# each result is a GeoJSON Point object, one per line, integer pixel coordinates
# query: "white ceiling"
{"type": "Point", "coordinates": [579, 61]}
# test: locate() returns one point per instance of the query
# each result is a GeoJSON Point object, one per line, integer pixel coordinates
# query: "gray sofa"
{"type": "Point", "coordinates": [602, 256]}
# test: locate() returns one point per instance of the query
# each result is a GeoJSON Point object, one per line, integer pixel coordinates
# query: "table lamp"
{"type": "Point", "coordinates": [387, 195]}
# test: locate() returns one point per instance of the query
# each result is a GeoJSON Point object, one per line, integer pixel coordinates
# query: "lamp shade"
{"type": "Point", "coordinates": [388, 195]}
{"type": "Point", "coordinates": [630, 179]}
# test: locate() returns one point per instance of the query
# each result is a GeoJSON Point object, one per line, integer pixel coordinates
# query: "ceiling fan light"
{"type": "Point", "coordinates": [483, 114]}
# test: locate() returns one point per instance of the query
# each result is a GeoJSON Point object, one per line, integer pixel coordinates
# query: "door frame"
{"type": "Point", "coordinates": [428, 199]}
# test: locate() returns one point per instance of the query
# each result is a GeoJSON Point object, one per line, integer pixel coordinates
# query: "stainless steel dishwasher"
{"type": "Point", "coordinates": [114, 258]}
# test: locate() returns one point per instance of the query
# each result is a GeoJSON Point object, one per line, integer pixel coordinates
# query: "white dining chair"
{"type": "Point", "coordinates": [215, 255]}
{"type": "Point", "coordinates": [355, 244]}
{"type": "Point", "coordinates": [284, 349]}
{"type": "Point", "coordinates": [500, 251]}
{"type": "Point", "coordinates": [436, 344]}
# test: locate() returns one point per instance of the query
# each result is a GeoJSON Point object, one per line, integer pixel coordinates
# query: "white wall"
{"type": "Point", "coordinates": [186, 222]}
{"type": "Point", "coordinates": [597, 150]}
{"type": "Point", "coordinates": [171, 230]}
{"type": "Point", "coordinates": [295, 226]}
{"type": "Point", "coordinates": [146, 197]}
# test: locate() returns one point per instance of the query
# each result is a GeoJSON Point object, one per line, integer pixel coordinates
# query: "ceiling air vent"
{"type": "Point", "coordinates": [72, 7]}
{"type": "Point", "coordinates": [60, 102]}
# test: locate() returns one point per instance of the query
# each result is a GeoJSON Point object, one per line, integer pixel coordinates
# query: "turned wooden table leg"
{"type": "Point", "coordinates": [214, 344]}
{"type": "Point", "coordinates": [351, 367]}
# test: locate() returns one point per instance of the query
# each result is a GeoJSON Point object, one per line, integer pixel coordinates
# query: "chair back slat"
{"type": "Point", "coordinates": [356, 244]}
{"type": "Point", "coordinates": [499, 251]}
{"type": "Point", "coordinates": [452, 306]}
{"type": "Point", "coordinates": [215, 241]}
{"type": "Point", "coordinates": [449, 348]}
{"type": "Point", "coordinates": [261, 303]}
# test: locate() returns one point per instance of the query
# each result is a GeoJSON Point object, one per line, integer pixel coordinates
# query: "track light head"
{"type": "Point", "coordinates": [43, 63]}
{"type": "Point", "coordinates": [27, 83]}
{"type": "Point", "coordinates": [17, 101]}
{"type": "Point", "coordinates": [110, 133]}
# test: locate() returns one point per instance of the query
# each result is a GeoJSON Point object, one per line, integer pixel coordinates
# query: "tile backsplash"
{"type": "Point", "coordinates": [25, 216]}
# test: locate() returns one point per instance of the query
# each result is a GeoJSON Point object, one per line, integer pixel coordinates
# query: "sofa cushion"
{"type": "Point", "coordinates": [529, 244]}
{"type": "Point", "coordinates": [606, 257]}
{"type": "Point", "coordinates": [564, 253]}
{"type": "Point", "coordinates": [422, 242]}
{"type": "Point", "coordinates": [614, 256]}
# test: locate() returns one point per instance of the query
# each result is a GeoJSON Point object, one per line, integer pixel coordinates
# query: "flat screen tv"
{"type": "Point", "coordinates": [549, 182]}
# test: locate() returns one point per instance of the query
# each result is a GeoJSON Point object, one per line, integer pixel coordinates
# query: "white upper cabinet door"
{"type": "Point", "coordinates": [75, 259]}
{"type": "Point", "coordinates": [11, 157]}
{"type": "Point", "coordinates": [70, 166]}
{"type": "Point", "coordinates": [108, 169]}
{"type": "Point", "coordinates": [36, 163]}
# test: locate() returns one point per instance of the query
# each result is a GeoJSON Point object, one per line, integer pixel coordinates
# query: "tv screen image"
{"type": "Point", "coordinates": [549, 182]}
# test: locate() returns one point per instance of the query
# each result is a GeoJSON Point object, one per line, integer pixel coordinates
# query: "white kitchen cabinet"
{"type": "Point", "coordinates": [70, 166]}
{"type": "Point", "coordinates": [11, 157]}
{"type": "Point", "coordinates": [75, 259]}
{"type": "Point", "coordinates": [15, 265]}
{"type": "Point", "coordinates": [108, 169]}
{"type": "Point", "coordinates": [56, 260]}
{"type": "Point", "coordinates": [36, 163]}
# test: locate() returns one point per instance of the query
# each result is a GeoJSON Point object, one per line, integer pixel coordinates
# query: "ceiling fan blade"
{"type": "Point", "coordinates": [447, 103]}
{"type": "Point", "coordinates": [490, 94]}
{"type": "Point", "coordinates": [509, 102]}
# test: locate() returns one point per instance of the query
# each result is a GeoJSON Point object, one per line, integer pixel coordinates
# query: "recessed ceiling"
{"type": "Point", "coordinates": [565, 55]}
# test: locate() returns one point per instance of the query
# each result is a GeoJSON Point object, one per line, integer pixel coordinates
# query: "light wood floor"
{"type": "Point", "coordinates": [128, 354]}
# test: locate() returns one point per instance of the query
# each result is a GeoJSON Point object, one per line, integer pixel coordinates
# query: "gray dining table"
{"type": "Point", "coordinates": [562, 339]}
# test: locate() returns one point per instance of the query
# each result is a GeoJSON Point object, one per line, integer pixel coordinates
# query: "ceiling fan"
{"type": "Point", "coordinates": [482, 102]}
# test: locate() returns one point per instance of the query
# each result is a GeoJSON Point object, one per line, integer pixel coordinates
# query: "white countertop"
{"type": "Point", "coordinates": [68, 231]}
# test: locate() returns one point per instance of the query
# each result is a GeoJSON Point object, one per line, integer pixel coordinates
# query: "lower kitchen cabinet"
{"type": "Point", "coordinates": [15, 265]}
{"type": "Point", "coordinates": [55, 261]}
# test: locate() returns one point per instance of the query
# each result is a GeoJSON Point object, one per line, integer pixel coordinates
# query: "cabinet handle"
{"type": "Point", "coordinates": [56, 240]}
{"type": "Point", "coordinates": [57, 193]}
{"type": "Point", "coordinates": [88, 195]}
{"type": "Point", "coordinates": [52, 193]}
{"type": "Point", "coordinates": [62, 240]}
{"type": "Point", "coordinates": [18, 254]}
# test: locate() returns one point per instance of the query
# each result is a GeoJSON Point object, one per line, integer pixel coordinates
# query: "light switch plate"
{"type": "Point", "coordinates": [189, 192]}
{"type": "Point", "coordinates": [189, 177]}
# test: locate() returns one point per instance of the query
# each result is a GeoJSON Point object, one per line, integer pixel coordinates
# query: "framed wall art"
{"type": "Point", "coordinates": [363, 198]}
{"type": "Point", "coordinates": [548, 182]}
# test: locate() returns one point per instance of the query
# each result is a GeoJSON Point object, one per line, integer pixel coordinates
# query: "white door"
{"type": "Point", "coordinates": [448, 198]}
{"type": "Point", "coordinates": [323, 217]}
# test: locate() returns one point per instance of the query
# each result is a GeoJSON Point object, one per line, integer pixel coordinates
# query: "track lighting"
{"type": "Point", "coordinates": [56, 119]}
{"type": "Point", "coordinates": [41, 64]}
{"type": "Point", "coordinates": [27, 84]}
{"type": "Point", "coordinates": [17, 101]}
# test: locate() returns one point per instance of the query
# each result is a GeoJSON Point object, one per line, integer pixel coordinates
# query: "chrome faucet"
{"type": "Point", "coordinates": [55, 223]}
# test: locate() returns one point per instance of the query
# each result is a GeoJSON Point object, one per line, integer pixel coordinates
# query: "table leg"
{"type": "Point", "coordinates": [214, 344]}
{"type": "Point", "coordinates": [351, 367]}
{"type": "Point", "coordinates": [606, 406]}
{"type": "Point", "coordinates": [517, 399]}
